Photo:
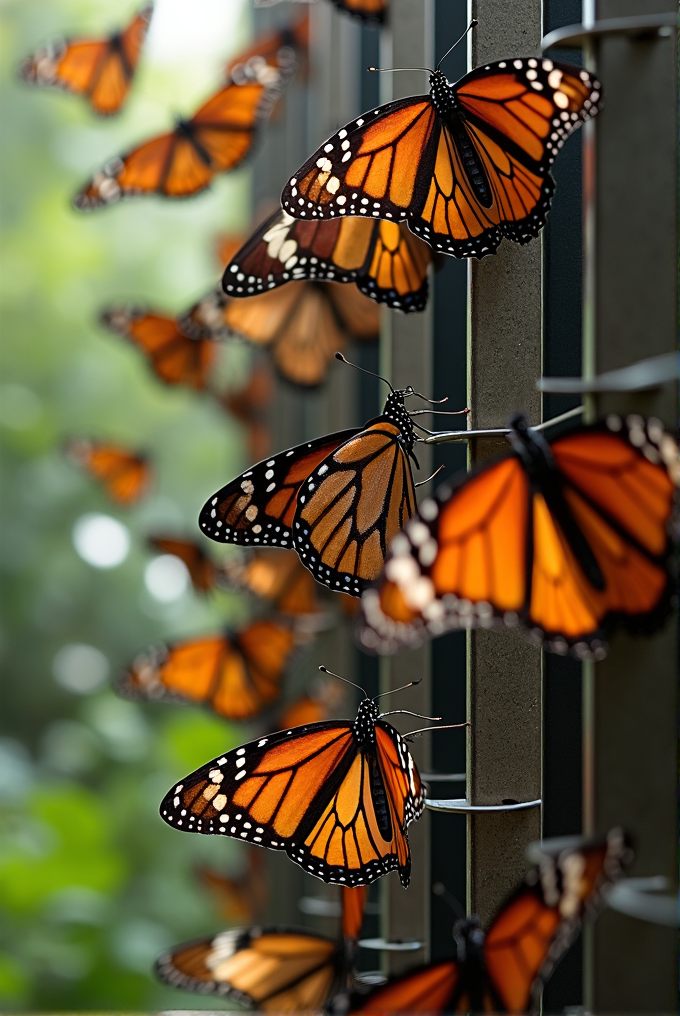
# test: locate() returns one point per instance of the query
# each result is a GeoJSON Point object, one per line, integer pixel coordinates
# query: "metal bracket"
{"type": "Point", "coordinates": [643, 27]}
{"type": "Point", "coordinates": [638, 377]}
{"type": "Point", "coordinates": [317, 906]}
{"type": "Point", "coordinates": [461, 806]}
{"type": "Point", "coordinates": [384, 945]}
{"type": "Point", "coordinates": [642, 898]}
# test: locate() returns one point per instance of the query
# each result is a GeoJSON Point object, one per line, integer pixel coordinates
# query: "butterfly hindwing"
{"type": "Point", "coordinates": [257, 508]}
{"type": "Point", "coordinates": [465, 165]}
{"type": "Point", "coordinates": [352, 505]}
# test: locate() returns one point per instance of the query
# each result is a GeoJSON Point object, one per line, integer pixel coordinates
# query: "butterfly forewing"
{"type": "Point", "coordinates": [257, 508]}
{"type": "Point", "coordinates": [124, 474]}
{"type": "Point", "coordinates": [387, 262]}
{"type": "Point", "coordinates": [464, 166]}
{"type": "Point", "coordinates": [271, 969]}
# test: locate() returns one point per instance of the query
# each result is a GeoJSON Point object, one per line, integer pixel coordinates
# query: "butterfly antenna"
{"type": "Point", "coordinates": [428, 730]}
{"type": "Point", "coordinates": [339, 356]}
{"type": "Point", "coordinates": [407, 712]}
{"type": "Point", "coordinates": [393, 690]}
{"type": "Point", "coordinates": [440, 890]}
{"type": "Point", "coordinates": [422, 483]}
{"type": "Point", "coordinates": [469, 28]}
{"type": "Point", "coordinates": [396, 70]}
{"type": "Point", "coordinates": [439, 412]}
{"type": "Point", "coordinates": [325, 670]}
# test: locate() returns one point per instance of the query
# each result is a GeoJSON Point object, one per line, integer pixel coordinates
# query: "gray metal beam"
{"type": "Point", "coordinates": [630, 709]}
{"type": "Point", "coordinates": [504, 673]}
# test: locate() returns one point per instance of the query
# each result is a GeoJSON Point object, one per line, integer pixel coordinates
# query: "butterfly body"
{"type": "Point", "coordinates": [465, 165]}
{"type": "Point", "coordinates": [337, 796]}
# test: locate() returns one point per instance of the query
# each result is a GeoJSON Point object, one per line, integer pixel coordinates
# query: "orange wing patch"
{"type": "Point", "coordinates": [352, 506]}
{"type": "Point", "coordinates": [124, 474]}
{"type": "Point", "coordinates": [202, 570]}
{"type": "Point", "coordinates": [429, 989]}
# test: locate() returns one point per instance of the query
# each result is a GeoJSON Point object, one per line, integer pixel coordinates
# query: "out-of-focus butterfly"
{"type": "Point", "coordinates": [174, 357]}
{"type": "Point", "coordinates": [567, 539]}
{"type": "Point", "coordinates": [505, 969]}
{"type": "Point", "coordinates": [242, 897]}
{"type": "Point", "coordinates": [385, 260]}
{"type": "Point", "coordinates": [337, 500]}
{"type": "Point", "coordinates": [235, 674]}
{"type": "Point", "coordinates": [276, 576]}
{"type": "Point", "coordinates": [272, 55]}
{"type": "Point", "coordinates": [366, 10]}
{"type": "Point", "coordinates": [124, 474]}
{"type": "Point", "coordinates": [313, 707]}
{"type": "Point", "coordinates": [203, 571]}
{"type": "Point", "coordinates": [249, 406]}
{"type": "Point", "coordinates": [216, 139]}
{"type": "Point", "coordinates": [99, 69]}
{"type": "Point", "coordinates": [271, 969]}
{"type": "Point", "coordinates": [337, 796]}
{"type": "Point", "coordinates": [465, 165]}
{"type": "Point", "coordinates": [301, 325]}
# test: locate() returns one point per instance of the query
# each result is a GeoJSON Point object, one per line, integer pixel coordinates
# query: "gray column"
{"type": "Point", "coordinates": [504, 672]}
{"type": "Point", "coordinates": [406, 359]}
{"type": "Point", "coordinates": [630, 716]}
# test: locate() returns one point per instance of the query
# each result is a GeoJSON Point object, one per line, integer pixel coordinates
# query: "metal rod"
{"type": "Point", "coordinates": [461, 806]}
{"type": "Point", "coordinates": [465, 435]}
{"type": "Point", "coordinates": [644, 26]}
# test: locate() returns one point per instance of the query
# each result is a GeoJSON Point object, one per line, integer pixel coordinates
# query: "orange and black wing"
{"type": "Point", "coordinates": [462, 180]}
{"type": "Point", "coordinates": [308, 791]}
{"type": "Point", "coordinates": [201, 568]}
{"type": "Point", "coordinates": [352, 505]}
{"type": "Point", "coordinates": [431, 989]}
{"type": "Point", "coordinates": [270, 969]}
{"type": "Point", "coordinates": [236, 676]}
{"type": "Point", "coordinates": [183, 162]}
{"type": "Point", "coordinates": [174, 357]}
{"type": "Point", "coordinates": [365, 10]}
{"type": "Point", "coordinates": [539, 922]}
{"type": "Point", "coordinates": [491, 547]}
{"type": "Point", "coordinates": [99, 69]}
{"type": "Point", "coordinates": [385, 260]}
{"type": "Point", "coordinates": [276, 576]}
{"type": "Point", "coordinates": [124, 474]}
{"type": "Point", "coordinates": [257, 508]}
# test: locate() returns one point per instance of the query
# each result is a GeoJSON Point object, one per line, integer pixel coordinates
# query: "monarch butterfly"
{"type": "Point", "coordinates": [216, 139]}
{"type": "Point", "coordinates": [338, 500]}
{"type": "Point", "coordinates": [248, 405]}
{"type": "Point", "coordinates": [387, 262]}
{"type": "Point", "coordinates": [276, 52]}
{"type": "Point", "coordinates": [505, 969]}
{"type": "Point", "coordinates": [100, 69]}
{"type": "Point", "coordinates": [239, 898]}
{"type": "Point", "coordinates": [337, 796]}
{"type": "Point", "coordinates": [567, 539]}
{"type": "Point", "coordinates": [465, 165]}
{"type": "Point", "coordinates": [174, 357]}
{"type": "Point", "coordinates": [277, 577]}
{"type": "Point", "coordinates": [271, 969]}
{"type": "Point", "coordinates": [236, 675]}
{"type": "Point", "coordinates": [124, 474]}
{"type": "Point", "coordinates": [203, 571]}
{"type": "Point", "coordinates": [366, 10]}
{"type": "Point", "coordinates": [302, 325]}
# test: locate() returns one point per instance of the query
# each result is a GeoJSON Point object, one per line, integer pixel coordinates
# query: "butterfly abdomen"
{"type": "Point", "coordinates": [379, 798]}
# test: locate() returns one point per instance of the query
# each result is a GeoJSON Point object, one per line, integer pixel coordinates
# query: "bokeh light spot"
{"type": "Point", "coordinates": [80, 668]}
{"type": "Point", "coordinates": [166, 578]}
{"type": "Point", "coordinates": [100, 540]}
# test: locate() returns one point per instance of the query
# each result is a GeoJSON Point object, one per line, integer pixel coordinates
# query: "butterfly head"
{"type": "Point", "coordinates": [364, 725]}
{"type": "Point", "coordinates": [530, 446]}
{"type": "Point", "coordinates": [442, 94]}
{"type": "Point", "coordinates": [468, 935]}
{"type": "Point", "coordinates": [395, 411]}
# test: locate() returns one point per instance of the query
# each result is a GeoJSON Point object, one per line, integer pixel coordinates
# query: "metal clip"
{"type": "Point", "coordinates": [642, 27]}
{"type": "Point", "coordinates": [461, 806]}
{"type": "Point", "coordinates": [385, 945]}
{"type": "Point", "coordinates": [641, 898]}
{"type": "Point", "coordinates": [638, 377]}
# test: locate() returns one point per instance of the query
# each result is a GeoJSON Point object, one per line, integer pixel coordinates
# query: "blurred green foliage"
{"type": "Point", "coordinates": [92, 884]}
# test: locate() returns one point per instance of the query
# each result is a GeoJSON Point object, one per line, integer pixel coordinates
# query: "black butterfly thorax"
{"type": "Point", "coordinates": [450, 112]}
{"type": "Point", "coordinates": [187, 130]}
{"type": "Point", "coordinates": [395, 411]}
{"type": "Point", "coordinates": [363, 729]}
{"type": "Point", "coordinates": [474, 982]}
{"type": "Point", "coordinates": [116, 46]}
{"type": "Point", "coordinates": [545, 478]}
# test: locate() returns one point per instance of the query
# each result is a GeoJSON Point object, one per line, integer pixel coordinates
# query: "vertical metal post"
{"type": "Point", "coordinates": [630, 708]}
{"type": "Point", "coordinates": [504, 673]}
{"type": "Point", "coordinates": [406, 355]}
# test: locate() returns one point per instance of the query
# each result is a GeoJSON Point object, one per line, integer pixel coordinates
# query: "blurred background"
{"type": "Point", "coordinates": [93, 886]}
